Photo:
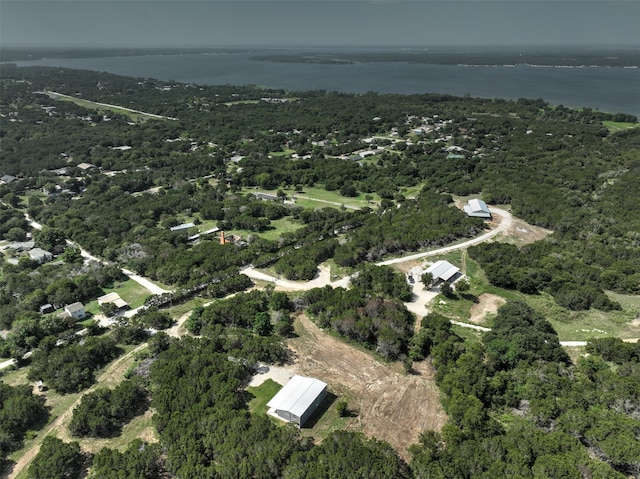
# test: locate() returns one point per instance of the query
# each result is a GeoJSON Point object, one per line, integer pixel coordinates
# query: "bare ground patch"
{"type": "Point", "coordinates": [524, 233]}
{"type": "Point", "coordinates": [487, 304]}
{"type": "Point", "coordinates": [390, 405]}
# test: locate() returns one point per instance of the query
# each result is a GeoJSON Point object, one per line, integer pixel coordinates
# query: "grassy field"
{"type": "Point", "coordinates": [129, 290]}
{"type": "Point", "coordinates": [614, 126]}
{"type": "Point", "coordinates": [570, 325]}
{"type": "Point", "coordinates": [90, 105]}
{"type": "Point", "coordinates": [262, 395]}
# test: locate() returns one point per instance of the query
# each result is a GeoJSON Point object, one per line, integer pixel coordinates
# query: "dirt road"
{"type": "Point", "coordinates": [61, 422]}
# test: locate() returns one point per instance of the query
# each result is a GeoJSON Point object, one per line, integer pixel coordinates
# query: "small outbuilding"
{"type": "Point", "coordinates": [477, 208]}
{"type": "Point", "coordinates": [113, 298]}
{"type": "Point", "coordinates": [298, 399]}
{"type": "Point", "coordinates": [183, 226]}
{"type": "Point", "coordinates": [443, 271]}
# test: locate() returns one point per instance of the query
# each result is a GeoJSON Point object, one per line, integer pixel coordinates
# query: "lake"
{"type": "Point", "coordinates": [603, 88]}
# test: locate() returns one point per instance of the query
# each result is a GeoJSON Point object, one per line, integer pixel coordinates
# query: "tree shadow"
{"type": "Point", "coordinates": [470, 297]}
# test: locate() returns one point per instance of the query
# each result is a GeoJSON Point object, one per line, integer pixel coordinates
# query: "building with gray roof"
{"type": "Point", "coordinates": [443, 271]}
{"type": "Point", "coordinates": [477, 208]}
{"type": "Point", "coordinates": [298, 399]}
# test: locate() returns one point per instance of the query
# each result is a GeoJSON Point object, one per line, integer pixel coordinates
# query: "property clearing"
{"type": "Point", "coordinates": [487, 304]}
{"type": "Point", "coordinates": [389, 404]}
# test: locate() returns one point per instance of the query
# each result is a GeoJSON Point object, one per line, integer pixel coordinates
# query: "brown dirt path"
{"type": "Point", "coordinates": [390, 405]}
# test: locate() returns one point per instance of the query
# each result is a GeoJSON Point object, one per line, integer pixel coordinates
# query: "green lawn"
{"type": "Point", "coordinates": [262, 395]}
{"type": "Point", "coordinates": [90, 105]}
{"type": "Point", "coordinates": [277, 154]}
{"type": "Point", "coordinates": [129, 290]}
{"type": "Point", "coordinates": [614, 126]}
{"type": "Point", "coordinates": [570, 325]}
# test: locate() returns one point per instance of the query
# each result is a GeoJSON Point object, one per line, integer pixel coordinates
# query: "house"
{"type": "Point", "coordinates": [75, 310]}
{"type": "Point", "coordinates": [86, 166]}
{"type": "Point", "coordinates": [40, 256]}
{"type": "Point", "coordinates": [113, 298]}
{"type": "Point", "coordinates": [6, 179]}
{"type": "Point", "coordinates": [298, 399]}
{"type": "Point", "coordinates": [477, 208]}
{"type": "Point", "coordinates": [21, 245]}
{"type": "Point", "coordinates": [443, 271]}
{"type": "Point", "coordinates": [265, 196]}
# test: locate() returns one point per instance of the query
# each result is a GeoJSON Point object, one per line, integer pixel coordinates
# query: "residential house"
{"type": "Point", "coordinates": [75, 310]}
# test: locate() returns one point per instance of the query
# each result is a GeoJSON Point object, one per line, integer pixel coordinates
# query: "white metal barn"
{"type": "Point", "coordinates": [477, 208]}
{"type": "Point", "coordinates": [443, 271]}
{"type": "Point", "coordinates": [298, 399]}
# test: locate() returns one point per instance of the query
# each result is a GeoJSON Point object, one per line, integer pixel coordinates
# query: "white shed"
{"type": "Point", "coordinates": [477, 208]}
{"type": "Point", "coordinates": [298, 399]}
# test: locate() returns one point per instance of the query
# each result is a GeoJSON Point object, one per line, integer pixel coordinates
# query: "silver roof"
{"type": "Point", "coordinates": [297, 395]}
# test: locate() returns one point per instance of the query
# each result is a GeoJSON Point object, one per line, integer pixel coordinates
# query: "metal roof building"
{"type": "Point", "coordinates": [477, 208]}
{"type": "Point", "coordinates": [442, 270]}
{"type": "Point", "coordinates": [298, 399]}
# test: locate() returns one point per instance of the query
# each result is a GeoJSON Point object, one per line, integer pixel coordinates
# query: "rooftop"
{"type": "Point", "coordinates": [297, 395]}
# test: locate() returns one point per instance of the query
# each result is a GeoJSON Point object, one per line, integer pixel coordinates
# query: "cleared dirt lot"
{"type": "Point", "coordinates": [487, 304]}
{"type": "Point", "coordinates": [390, 405]}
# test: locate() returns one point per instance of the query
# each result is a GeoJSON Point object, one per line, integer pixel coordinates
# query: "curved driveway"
{"type": "Point", "coordinates": [503, 227]}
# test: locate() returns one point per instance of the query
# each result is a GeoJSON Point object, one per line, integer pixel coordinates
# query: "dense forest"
{"type": "Point", "coordinates": [154, 195]}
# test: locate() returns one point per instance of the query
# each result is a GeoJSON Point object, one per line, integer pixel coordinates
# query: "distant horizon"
{"type": "Point", "coordinates": [325, 24]}
{"type": "Point", "coordinates": [421, 48]}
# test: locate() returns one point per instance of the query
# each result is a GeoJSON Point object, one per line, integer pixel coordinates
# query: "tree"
{"type": "Point", "coordinates": [11, 199]}
{"type": "Point", "coordinates": [72, 255]}
{"type": "Point", "coordinates": [262, 324]}
{"type": "Point", "coordinates": [462, 285]}
{"type": "Point", "coordinates": [447, 290]}
{"type": "Point", "coordinates": [427, 280]}
{"type": "Point", "coordinates": [279, 301]}
{"type": "Point", "coordinates": [57, 460]}
{"type": "Point", "coordinates": [342, 408]}
{"type": "Point", "coordinates": [15, 234]}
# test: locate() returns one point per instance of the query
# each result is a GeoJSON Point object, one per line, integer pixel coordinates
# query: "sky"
{"type": "Point", "coordinates": [331, 23]}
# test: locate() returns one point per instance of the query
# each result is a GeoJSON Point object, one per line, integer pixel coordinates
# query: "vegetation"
{"type": "Point", "coordinates": [20, 411]}
{"type": "Point", "coordinates": [57, 460]}
{"type": "Point", "coordinates": [117, 185]}
{"type": "Point", "coordinates": [102, 412]}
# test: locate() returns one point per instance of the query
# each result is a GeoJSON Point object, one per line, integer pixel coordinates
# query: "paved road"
{"type": "Point", "coordinates": [323, 278]}
{"type": "Point", "coordinates": [141, 280]}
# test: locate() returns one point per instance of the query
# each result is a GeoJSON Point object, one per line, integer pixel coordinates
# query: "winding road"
{"type": "Point", "coordinates": [416, 307]}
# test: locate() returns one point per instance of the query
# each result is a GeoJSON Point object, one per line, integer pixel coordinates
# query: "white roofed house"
{"type": "Point", "coordinates": [75, 310]}
{"type": "Point", "coordinates": [443, 271]}
{"type": "Point", "coordinates": [40, 256]}
{"type": "Point", "coordinates": [477, 208]}
{"type": "Point", "coordinates": [298, 399]}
